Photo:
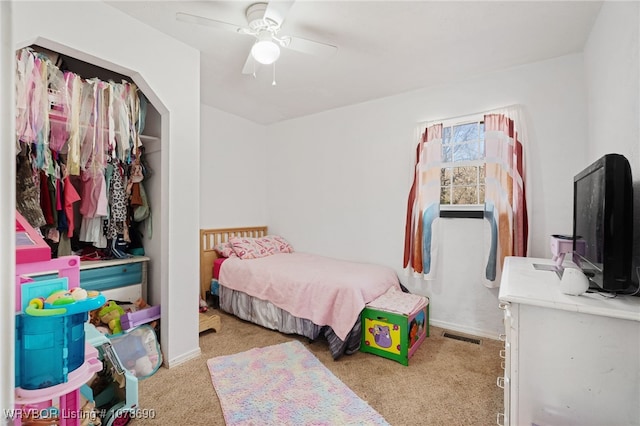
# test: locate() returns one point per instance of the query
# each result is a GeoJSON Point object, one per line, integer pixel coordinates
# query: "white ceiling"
{"type": "Point", "coordinates": [384, 48]}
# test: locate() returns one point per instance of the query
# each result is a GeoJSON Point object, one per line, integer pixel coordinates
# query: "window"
{"type": "Point", "coordinates": [462, 176]}
{"type": "Point", "coordinates": [470, 167]}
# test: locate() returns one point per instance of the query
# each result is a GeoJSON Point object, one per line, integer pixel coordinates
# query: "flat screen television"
{"type": "Point", "coordinates": [603, 219]}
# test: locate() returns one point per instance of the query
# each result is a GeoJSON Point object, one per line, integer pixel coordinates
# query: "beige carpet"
{"type": "Point", "coordinates": [448, 382]}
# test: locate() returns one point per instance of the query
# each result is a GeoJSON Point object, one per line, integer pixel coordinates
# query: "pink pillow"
{"type": "Point", "coordinates": [225, 250]}
{"type": "Point", "coordinates": [248, 248]}
{"type": "Point", "coordinates": [281, 245]}
{"type": "Point", "coordinates": [266, 244]}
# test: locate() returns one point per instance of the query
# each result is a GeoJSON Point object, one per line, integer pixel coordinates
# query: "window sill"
{"type": "Point", "coordinates": [462, 214]}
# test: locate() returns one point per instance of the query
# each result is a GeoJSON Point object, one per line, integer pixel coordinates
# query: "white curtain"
{"type": "Point", "coordinates": [423, 207]}
{"type": "Point", "coordinates": [505, 194]}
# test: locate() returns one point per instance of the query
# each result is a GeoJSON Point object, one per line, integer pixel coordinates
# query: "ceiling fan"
{"type": "Point", "coordinates": [264, 22]}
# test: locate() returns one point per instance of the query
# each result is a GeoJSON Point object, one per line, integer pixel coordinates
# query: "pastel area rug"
{"type": "Point", "coordinates": [285, 384]}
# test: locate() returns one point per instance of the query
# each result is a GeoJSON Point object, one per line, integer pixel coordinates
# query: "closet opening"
{"type": "Point", "coordinates": [114, 127]}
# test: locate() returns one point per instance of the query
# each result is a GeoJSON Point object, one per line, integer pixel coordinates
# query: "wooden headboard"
{"type": "Point", "coordinates": [209, 238]}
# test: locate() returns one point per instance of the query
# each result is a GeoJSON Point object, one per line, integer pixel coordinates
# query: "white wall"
{"type": "Point", "coordinates": [7, 211]}
{"type": "Point", "coordinates": [233, 171]}
{"type": "Point", "coordinates": [172, 71]}
{"type": "Point", "coordinates": [612, 69]}
{"type": "Point", "coordinates": [339, 180]}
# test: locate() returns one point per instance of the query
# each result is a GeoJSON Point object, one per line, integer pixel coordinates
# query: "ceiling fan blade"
{"type": "Point", "coordinates": [249, 66]}
{"type": "Point", "coordinates": [201, 20]}
{"type": "Point", "coordinates": [277, 10]}
{"type": "Point", "coordinates": [311, 47]}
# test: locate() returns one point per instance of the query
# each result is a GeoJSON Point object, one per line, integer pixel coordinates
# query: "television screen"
{"type": "Point", "coordinates": [603, 223]}
{"type": "Point", "coordinates": [589, 225]}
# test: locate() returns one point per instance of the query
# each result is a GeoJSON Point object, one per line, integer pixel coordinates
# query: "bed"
{"type": "Point", "coordinates": [289, 291]}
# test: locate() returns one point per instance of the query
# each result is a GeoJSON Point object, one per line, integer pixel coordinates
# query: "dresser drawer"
{"type": "Point", "coordinates": [124, 295]}
{"type": "Point", "coordinates": [120, 280]}
{"type": "Point", "coordinates": [110, 277]}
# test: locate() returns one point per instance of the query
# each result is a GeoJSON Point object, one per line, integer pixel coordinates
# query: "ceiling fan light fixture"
{"type": "Point", "coordinates": [265, 51]}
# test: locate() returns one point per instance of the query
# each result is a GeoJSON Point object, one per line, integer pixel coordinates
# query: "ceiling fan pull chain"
{"type": "Point", "coordinates": [273, 83]}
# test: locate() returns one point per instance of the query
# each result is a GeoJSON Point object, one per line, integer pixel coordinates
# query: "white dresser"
{"type": "Point", "coordinates": [568, 360]}
{"type": "Point", "coordinates": [122, 280]}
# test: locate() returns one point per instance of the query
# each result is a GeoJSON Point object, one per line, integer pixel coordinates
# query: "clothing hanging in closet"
{"type": "Point", "coordinates": [78, 142]}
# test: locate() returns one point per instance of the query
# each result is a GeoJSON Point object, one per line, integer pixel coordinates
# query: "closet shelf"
{"type": "Point", "coordinates": [151, 144]}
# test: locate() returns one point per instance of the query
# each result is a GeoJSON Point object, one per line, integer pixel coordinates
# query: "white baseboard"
{"type": "Point", "coordinates": [183, 358]}
{"type": "Point", "coordinates": [462, 329]}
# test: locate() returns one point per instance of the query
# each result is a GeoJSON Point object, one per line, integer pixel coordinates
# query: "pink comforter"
{"type": "Point", "coordinates": [324, 290]}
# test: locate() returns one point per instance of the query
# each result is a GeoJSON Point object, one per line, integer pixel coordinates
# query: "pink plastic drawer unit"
{"type": "Point", "coordinates": [133, 319]}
